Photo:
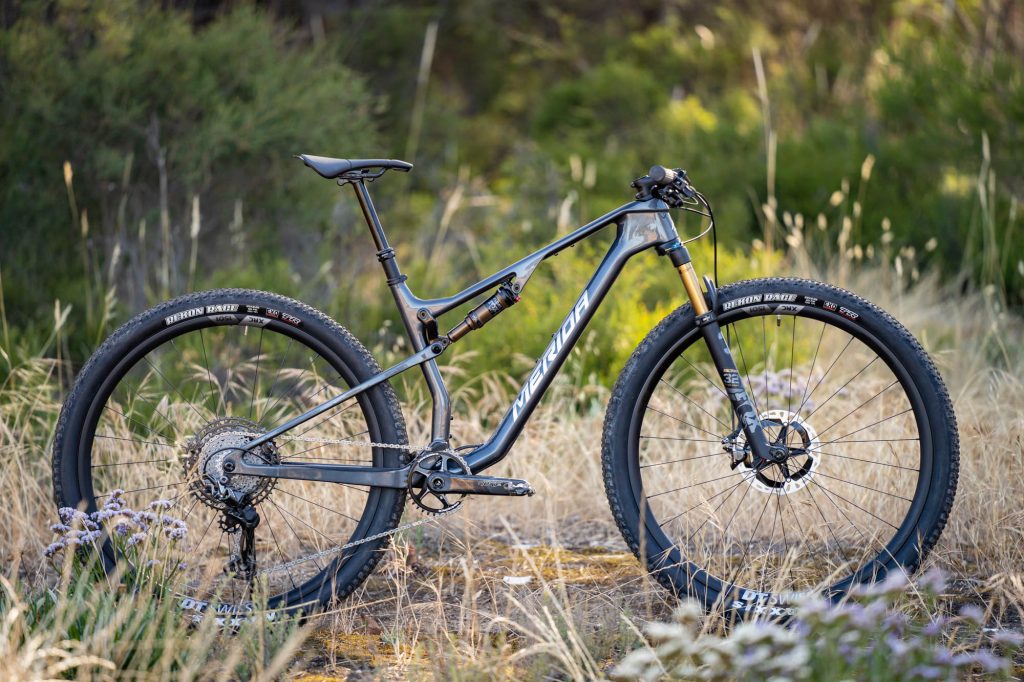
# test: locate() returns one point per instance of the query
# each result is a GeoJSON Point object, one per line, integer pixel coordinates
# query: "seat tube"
{"type": "Point", "coordinates": [441, 414]}
{"type": "Point", "coordinates": [707, 321]}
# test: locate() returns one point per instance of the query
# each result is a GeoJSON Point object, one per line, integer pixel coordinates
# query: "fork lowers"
{"type": "Point", "coordinates": [502, 300]}
{"type": "Point", "coordinates": [706, 319]}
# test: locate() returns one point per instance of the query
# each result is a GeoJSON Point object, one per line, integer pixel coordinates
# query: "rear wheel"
{"type": "Point", "coordinates": [154, 408]}
{"type": "Point", "coordinates": [870, 434]}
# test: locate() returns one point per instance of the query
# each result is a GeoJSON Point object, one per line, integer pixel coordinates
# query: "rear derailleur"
{"type": "Point", "coordinates": [240, 525]}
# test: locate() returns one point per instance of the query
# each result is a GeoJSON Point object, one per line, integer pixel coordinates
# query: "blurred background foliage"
{"type": "Point", "coordinates": [145, 151]}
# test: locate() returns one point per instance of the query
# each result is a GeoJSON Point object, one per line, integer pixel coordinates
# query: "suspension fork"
{"type": "Point", "coordinates": [707, 321]}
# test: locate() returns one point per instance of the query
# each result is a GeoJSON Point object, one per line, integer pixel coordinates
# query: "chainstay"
{"type": "Point", "coordinates": [355, 543]}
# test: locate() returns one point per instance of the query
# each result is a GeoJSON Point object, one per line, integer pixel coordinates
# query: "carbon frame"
{"type": "Point", "coordinates": [641, 225]}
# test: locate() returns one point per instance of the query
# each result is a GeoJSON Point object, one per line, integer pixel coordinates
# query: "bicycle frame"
{"type": "Point", "coordinates": [640, 225]}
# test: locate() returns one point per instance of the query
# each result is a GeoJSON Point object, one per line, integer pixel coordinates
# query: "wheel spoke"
{"type": "Point", "coordinates": [681, 421]}
{"type": "Point", "coordinates": [694, 403]}
{"type": "Point", "coordinates": [814, 518]}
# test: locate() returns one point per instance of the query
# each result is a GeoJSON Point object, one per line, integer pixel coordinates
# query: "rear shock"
{"type": "Point", "coordinates": [501, 301]}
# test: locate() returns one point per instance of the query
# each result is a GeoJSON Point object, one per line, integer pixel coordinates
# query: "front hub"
{"type": "Point", "coordinates": [794, 449]}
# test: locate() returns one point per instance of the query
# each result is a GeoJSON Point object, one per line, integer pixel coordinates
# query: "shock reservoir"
{"type": "Point", "coordinates": [503, 299]}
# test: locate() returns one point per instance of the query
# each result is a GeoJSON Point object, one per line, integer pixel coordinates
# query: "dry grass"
{"type": "Point", "coordinates": [441, 606]}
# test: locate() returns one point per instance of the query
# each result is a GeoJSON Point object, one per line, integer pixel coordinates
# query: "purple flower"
{"type": "Point", "coordinates": [69, 515]}
{"type": "Point", "coordinates": [942, 656]}
{"type": "Point", "coordinates": [91, 536]}
{"type": "Point", "coordinates": [122, 529]}
{"type": "Point", "coordinates": [926, 672]}
{"type": "Point", "coordinates": [934, 627]}
{"type": "Point", "coordinates": [136, 539]}
{"type": "Point", "coordinates": [1007, 638]}
{"type": "Point", "coordinates": [53, 549]}
{"type": "Point", "coordinates": [985, 658]}
{"type": "Point", "coordinates": [60, 528]}
{"type": "Point", "coordinates": [899, 647]}
{"type": "Point", "coordinates": [176, 533]}
{"type": "Point", "coordinates": [152, 562]}
{"type": "Point", "coordinates": [974, 613]}
{"type": "Point", "coordinates": [160, 504]}
{"type": "Point", "coordinates": [934, 581]}
{"type": "Point", "coordinates": [896, 622]}
{"type": "Point", "coordinates": [105, 515]}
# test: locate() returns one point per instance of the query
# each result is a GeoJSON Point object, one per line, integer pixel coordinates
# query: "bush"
{"type": "Point", "coordinates": [162, 122]}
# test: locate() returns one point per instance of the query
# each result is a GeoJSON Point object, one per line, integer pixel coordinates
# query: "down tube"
{"type": "Point", "coordinates": [562, 343]}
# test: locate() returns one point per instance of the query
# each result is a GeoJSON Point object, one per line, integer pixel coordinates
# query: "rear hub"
{"type": "Point", "coordinates": [204, 464]}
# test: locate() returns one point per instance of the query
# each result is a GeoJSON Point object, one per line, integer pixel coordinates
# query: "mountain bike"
{"type": "Point", "coordinates": [766, 439]}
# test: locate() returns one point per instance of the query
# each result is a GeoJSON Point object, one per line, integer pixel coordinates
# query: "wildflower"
{"type": "Point", "coordinates": [69, 516]}
{"type": "Point", "coordinates": [973, 613]}
{"type": "Point", "coordinates": [122, 529]}
{"type": "Point", "coordinates": [988, 661]}
{"type": "Point", "coordinates": [105, 515]}
{"type": "Point", "coordinates": [1008, 638]}
{"type": "Point", "coordinates": [942, 656]}
{"type": "Point", "coordinates": [160, 504]}
{"type": "Point", "coordinates": [926, 672]}
{"type": "Point", "coordinates": [176, 533]}
{"type": "Point", "coordinates": [896, 622]}
{"type": "Point", "coordinates": [60, 528]}
{"type": "Point", "coordinates": [91, 536]}
{"type": "Point", "coordinates": [895, 583]}
{"type": "Point", "coordinates": [52, 549]}
{"type": "Point", "coordinates": [899, 648]}
{"type": "Point", "coordinates": [934, 627]}
{"type": "Point", "coordinates": [934, 581]}
{"type": "Point", "coordinates": [136, 539]}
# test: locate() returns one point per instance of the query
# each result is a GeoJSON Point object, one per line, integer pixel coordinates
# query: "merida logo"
{"type": "Point", "coordinates": [547, 360]}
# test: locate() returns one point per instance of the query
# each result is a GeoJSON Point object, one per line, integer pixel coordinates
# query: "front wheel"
{"type": "Point", "coordinates": [872, 463]}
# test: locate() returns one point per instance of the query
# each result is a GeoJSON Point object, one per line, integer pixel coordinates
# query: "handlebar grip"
{"type": "Point", "coordinates": [662, 175]}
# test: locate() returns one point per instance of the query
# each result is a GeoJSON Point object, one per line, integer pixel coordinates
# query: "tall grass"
{"type": "Point", "coordinates": [575, 603]}
{"type": "Point", "coordinates": [457, 618]}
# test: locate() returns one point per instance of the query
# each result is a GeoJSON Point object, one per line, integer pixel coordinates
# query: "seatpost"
{"type": "Point", "coordinates": [385, 254]}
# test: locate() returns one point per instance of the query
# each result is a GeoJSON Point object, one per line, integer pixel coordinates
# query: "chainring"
{"type": "Point", "coordinates": [429, 502]}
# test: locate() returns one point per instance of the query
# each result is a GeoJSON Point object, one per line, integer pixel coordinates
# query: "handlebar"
{"type": "Point", "coordinates": [661, 175]}
{"type": "Point", "coordinates": [663, 183]}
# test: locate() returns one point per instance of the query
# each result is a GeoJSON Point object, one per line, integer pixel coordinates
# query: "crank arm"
{"type": "Point", "coordinates": [478, 485]}
{"type": "Point", "coordinates": [378, 477]}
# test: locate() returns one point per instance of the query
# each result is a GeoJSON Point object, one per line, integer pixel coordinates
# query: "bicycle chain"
{"type": "Point", "coordinates": [355, 543]}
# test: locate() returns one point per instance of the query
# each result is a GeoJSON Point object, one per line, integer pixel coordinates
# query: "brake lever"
{"type": "Point", "coordinates": [682, 184]}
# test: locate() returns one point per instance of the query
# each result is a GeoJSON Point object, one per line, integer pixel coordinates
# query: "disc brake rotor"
{"type": "Point", "coordinates": [797, 470]}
